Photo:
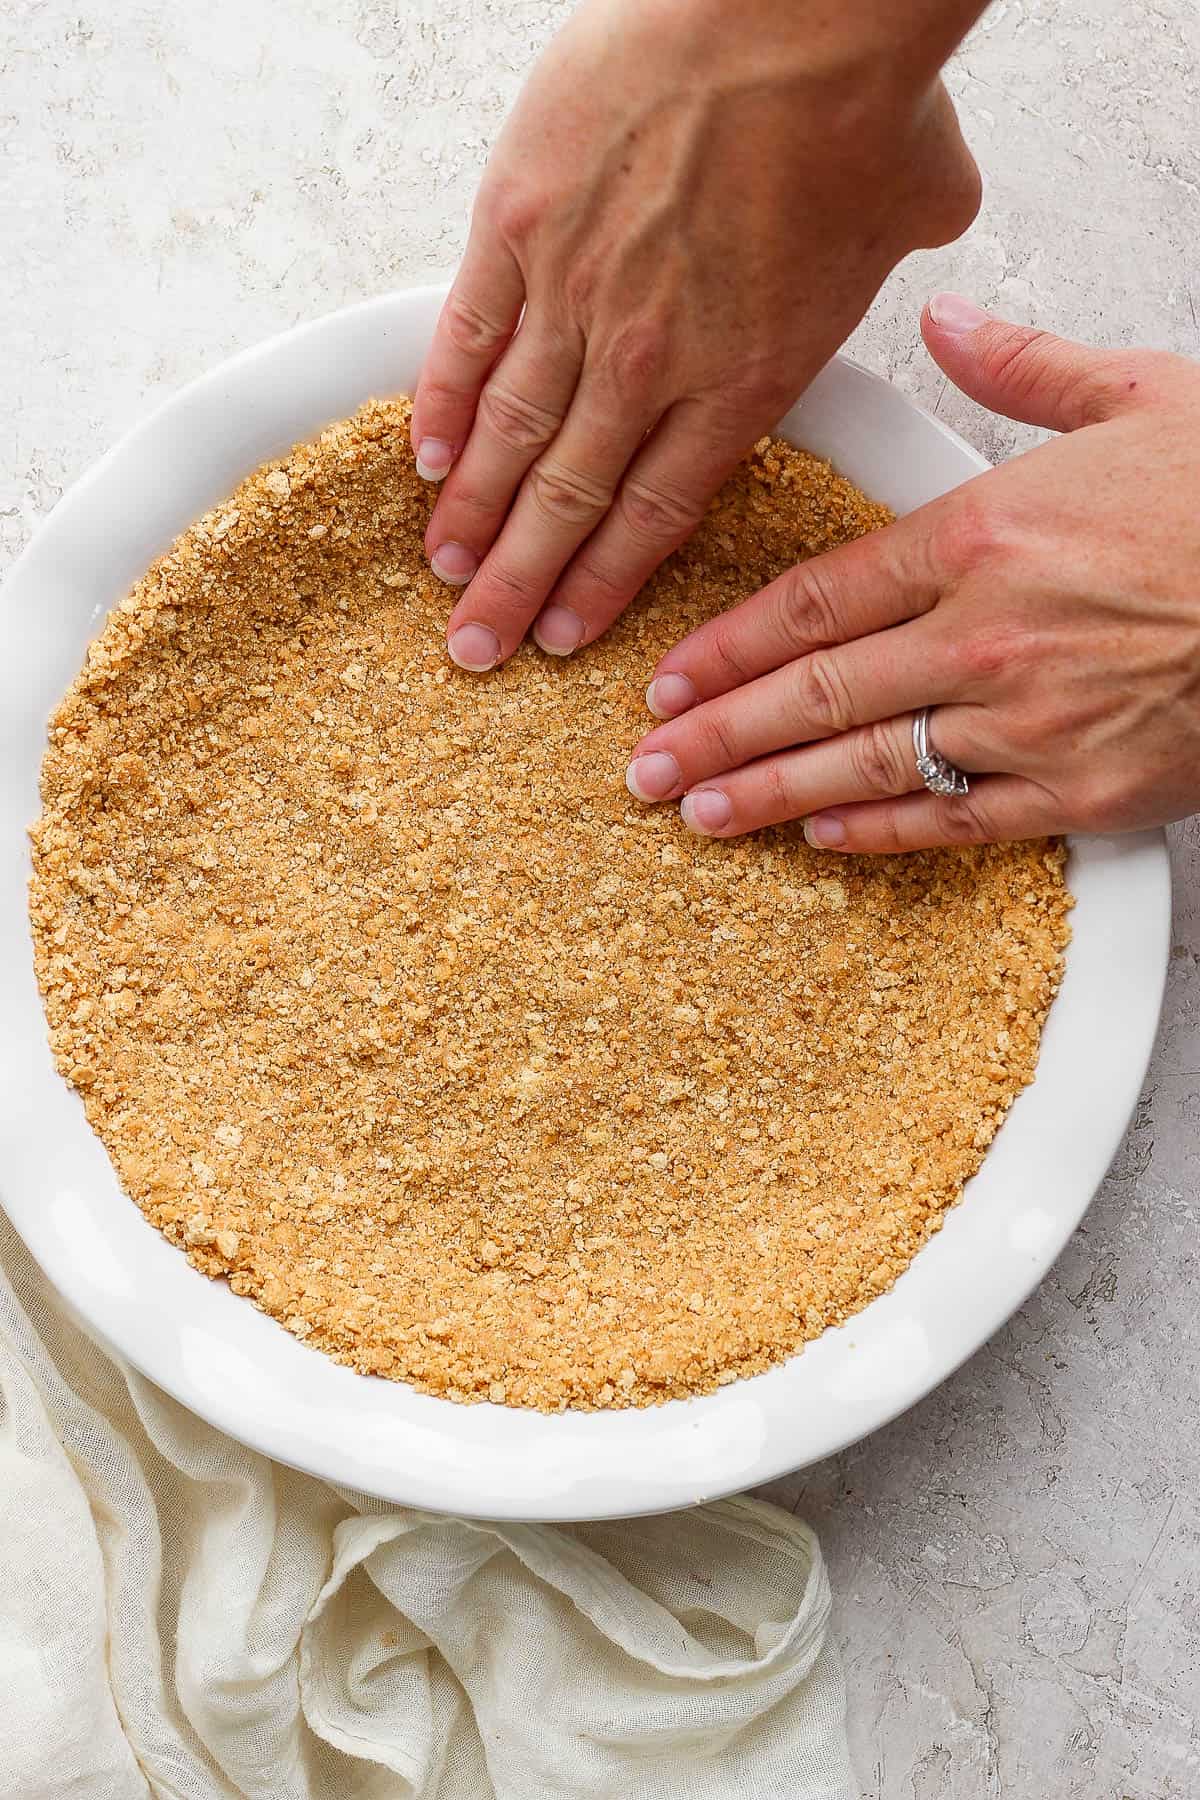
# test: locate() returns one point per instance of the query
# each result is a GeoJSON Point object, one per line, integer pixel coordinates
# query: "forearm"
{"type": "Point", "coordinates": [900, 42]}
{"type": "Point", "coordinates": [847, 87]}
{"type": "Point", "coordinates": [915, 37]}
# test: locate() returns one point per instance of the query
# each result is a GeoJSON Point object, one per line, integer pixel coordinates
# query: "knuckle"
{"type": "Point", "coordinates": [600, 590]}
{"type": "Point", "coordinates": [469, 328]}
{"type": "Point", "coordinates": [968, 533]}
{"type": "Point", "coordinates": [801, 612]}
{"type": "Point", "coordinates": [568, 496]}
{"type": "Point", "coordinates": [1017, 359]}
{"type": "Point", "coordinates": [718, 739]}
{"type": "Point", "coordinates": [508, 591]}
{"type": "Point", "coordinates": [657, 513]}
{"type": "Point", "coordinates": [875, 760]}
{"type": "Point", "coordinates": [777, 786]}
{"type": "Point", "coordinates": [466, 509]}
{"type": "Point", "coordinates": [725, 649]}
{"type": "Point", "coordinates": [513, 211]}
{"type": "Point", "coordinates": [887, 834]}
{"type": "Point", "coordinates": [635, 360]}
{"type": "Point", "coordinates": [519, 423]}
{"type": "Point", "coordinates": [1089, 394]}
{"type": "Point", "coordinates": [441, 399]}
{"type": "Point", "coordinates": [821, 696]}
{"type": "Point", "coordinates": [1107, 805]}
{"type": "Point", "coordinates": [999, 647]}
{"type": "Point", "coordinates": [960, 819]}
{"type": "Point", "coordinates": [1029, 364]}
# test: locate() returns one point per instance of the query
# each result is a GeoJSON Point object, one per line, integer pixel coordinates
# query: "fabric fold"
{"type": "Point", "coordinates": [184, 1618]}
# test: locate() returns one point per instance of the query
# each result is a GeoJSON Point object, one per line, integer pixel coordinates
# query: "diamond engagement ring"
{"type": "Point", "coordinates": [939, 776]}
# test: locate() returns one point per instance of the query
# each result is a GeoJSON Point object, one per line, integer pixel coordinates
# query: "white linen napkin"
{"type": "Point", "coordinates": [181, 1617]}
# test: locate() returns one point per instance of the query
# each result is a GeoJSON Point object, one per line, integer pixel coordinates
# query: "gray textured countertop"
{"type": "Point", "coordinates": [1016, 1561]}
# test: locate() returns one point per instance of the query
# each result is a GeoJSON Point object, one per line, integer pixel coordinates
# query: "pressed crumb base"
{"type": "Point", "coordinates": [391, 1007]}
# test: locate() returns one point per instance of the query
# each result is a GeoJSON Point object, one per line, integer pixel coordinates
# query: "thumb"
{"type": "Point", "coordinates": [1026, 374]}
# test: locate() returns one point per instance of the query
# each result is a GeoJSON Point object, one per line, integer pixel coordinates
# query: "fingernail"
{"type": "Point", "coordinates": [474, 647]}
{"type": "Point", "coordinates": [706, 811]}
{"type": "Point", "coordinates": [558, 630]}
{"type": "Point", "coordinates": [956, 314]}
{"type": "Point", "coordinates": [454, 563]}
{"type": "Point", "coordinates": [670, 695]}
{"type": "Point", "coordinates": [653, 776]}
{"type": "Point", "coordinates": [434, 457]}
{"type": "Point", "coordinates": [824, 832]}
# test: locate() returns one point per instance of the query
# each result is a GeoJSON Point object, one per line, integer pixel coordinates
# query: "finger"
{"type": "Point", "coordinates": [660, 502]}
{"type": "Point", "coordinates": [861, 587]}
{"type": "Point", "coordinates": [819, 696]}
{"type": "Point", "coordinates": [998, 809]}
{"type": "Point", "coordinates": [478, 318]}
{"type": "Point", "coordinates": [521, 410]}
{"type": "Point", "coordinates": [1032, 375]}
{"type": "Point", "coordinates": [872, 762]}
{"type": "Point", "coordinates": [564, 495]}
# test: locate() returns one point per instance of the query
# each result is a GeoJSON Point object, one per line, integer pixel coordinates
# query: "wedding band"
{"type": "Point", "coordinates": [939, 776]}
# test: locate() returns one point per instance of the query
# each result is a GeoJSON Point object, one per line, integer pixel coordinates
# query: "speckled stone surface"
{"type": "Point", "coordinates": [1016, 1561]}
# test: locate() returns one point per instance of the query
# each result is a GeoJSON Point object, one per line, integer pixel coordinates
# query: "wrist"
{"type": "Point", "coordinates": [835, 80]}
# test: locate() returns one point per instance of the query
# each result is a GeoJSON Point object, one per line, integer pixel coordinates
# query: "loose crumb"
{"type": "Point", "coordinates": [392, 1009]}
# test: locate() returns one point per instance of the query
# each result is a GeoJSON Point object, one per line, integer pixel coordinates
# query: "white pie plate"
{"type": "Point", "coordinates": [242, 1371]}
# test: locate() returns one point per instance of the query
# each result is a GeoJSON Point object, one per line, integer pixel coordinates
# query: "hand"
{"type": "Point", "coordinates": [1048, 610]}
{"type": "Point", "coordinates": [694, 202]}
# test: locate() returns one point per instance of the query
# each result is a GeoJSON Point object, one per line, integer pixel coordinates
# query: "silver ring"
{"type": "Point", "coordinates": [939, 776]}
